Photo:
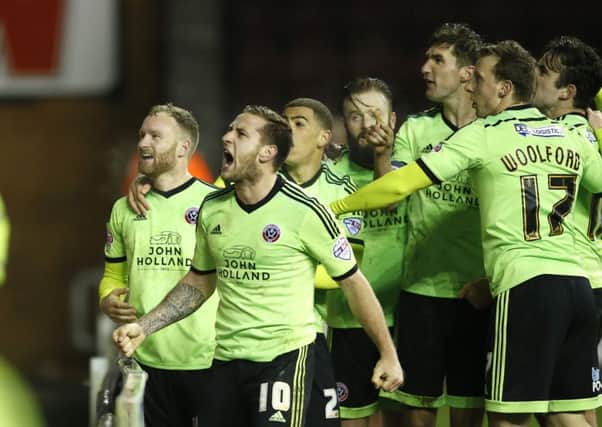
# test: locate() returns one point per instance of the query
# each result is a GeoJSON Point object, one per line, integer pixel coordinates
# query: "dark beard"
{"type": "Point", "coordinates": [362, 155]}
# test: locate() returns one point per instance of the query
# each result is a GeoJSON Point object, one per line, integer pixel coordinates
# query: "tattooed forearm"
{"type": "Point", "coordinates": [181, 301]}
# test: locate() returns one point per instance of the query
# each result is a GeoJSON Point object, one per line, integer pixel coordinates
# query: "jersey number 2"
{"type": "Point", "coordinates": [530, 199]}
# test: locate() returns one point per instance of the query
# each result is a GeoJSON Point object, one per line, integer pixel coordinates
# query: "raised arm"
{"type": "Point", "coordinates": [389, 189]}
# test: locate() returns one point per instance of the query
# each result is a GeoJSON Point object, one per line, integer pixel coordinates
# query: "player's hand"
{"type": "Point", "coordinates": [136, 192]}
{"type": "Point", "coordinates": [595, 118]}
{"type": "Point", "coordinates": [387, 374]}
{"type": "Point", "coordinates": [118, 310]}
{"type": "Point", "coordinates": [477, 293]}
{"type": "Point", "coordinates": [380, 135]}
{"type": "Point", "coordinates": [128, 338]}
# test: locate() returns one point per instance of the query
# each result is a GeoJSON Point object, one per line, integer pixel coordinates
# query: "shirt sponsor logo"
{"type": "Point", "coordinates": [342, 249]}
{"type": "Point", "coordinates": [192, 215]}
{"type": "Point", "coordinates": [239, 252]}
{"type": "Point", "coordinates": [342, 392]}
{"type": "Point", "coordinates": [353, 225]}
{"type": "Point", "coordinates": [271, 233]}
{"type": "Point", "coordinates": [544, 131]}
{"type": "Point", "coordinates": [166, 238]}
{"type": "Point", "coordinates": [239, 264]}
{"type": "Point", "coordinates": [164, 253]}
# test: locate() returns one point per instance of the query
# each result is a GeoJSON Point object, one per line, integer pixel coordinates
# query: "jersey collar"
{"type": "Point", "coordinates": [250, 208]}
{"type": "Point", "coordinates": [178, 189]}
{"type": "Point", "coordinates": [305, 184]}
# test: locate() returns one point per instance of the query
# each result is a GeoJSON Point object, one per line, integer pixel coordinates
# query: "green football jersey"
{"type": "Point", "coordinates": [526, 170]}
{"type": "Point", "coordinates": [587, 209]}
{"type": "Point", "coordinates": [327, 187]}
{"type": "Point", "coordinates": [265, 258]}
{"type": "Point", "coordinates": [444, 250]}
{"type": "Point", "coordinates": [4, 238]}
{"type": "Point", "coordinates": [158, 250]}
{"type": "Point", "coordinates": [384, 233]}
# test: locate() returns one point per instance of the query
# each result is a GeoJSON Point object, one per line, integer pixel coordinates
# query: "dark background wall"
{"type": "Point", "coordinates": [62, 159]}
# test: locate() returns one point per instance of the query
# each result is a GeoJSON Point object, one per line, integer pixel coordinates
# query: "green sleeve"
{"type": "Point", "coordinates": [114, 243]}
{"type": "Point", "coordinates": [592, 169]}
{"type": "Point", "coordinates": [325, 242]}
{"type": "Point", "coordinates": [403, 152]}
{"type": "Point", "coordinates": [465, 149]}
{"type": "Point", "coordinates": [386, 190]}
{"type": "Point", "coordinates": [202, 259]}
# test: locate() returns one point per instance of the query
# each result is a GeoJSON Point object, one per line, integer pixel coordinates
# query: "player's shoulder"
{"type": "Point", "coordinates": [424, 116]}
{"type": "Point", "coordinates": [205, 186]}
{"type": "Point", "coordinates": [306, 205]}
{"type": "Point", "coordinates": [337, 178]}
{"type": "Point", "coordinates": [218, 195]}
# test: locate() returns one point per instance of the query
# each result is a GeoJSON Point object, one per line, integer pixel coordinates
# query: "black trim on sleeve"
{"type": "Point", "coordinates": [346, 275]}
{"type": "Point", "coordinates": [115, 260]}
{"type": "Point", "coordinates": [202, 272]}
{"type": "Point", "coordinates": [428, 172]}
{"type": "Point", "coordinates": [356, 241]}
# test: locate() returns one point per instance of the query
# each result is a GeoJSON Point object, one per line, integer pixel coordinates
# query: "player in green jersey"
{"type": "Point", "coordinates": [258, 242]}
{"type": "Point", "coordinates": [445, 343]}
{"type": "Point", "coordinates": [145, 255]}
{"type": "Point", "coordinates": [4, 239]}
{"type": "Point", "coordinates": [366, 102]}
{"type": "Point", "coordinates": [311, 124]}
{"type": "Point", "coordinates": [526, 169]}
{"type": "Point", "coordinates": [569, 74]}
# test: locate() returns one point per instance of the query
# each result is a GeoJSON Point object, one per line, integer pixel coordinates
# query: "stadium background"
{"type": "Point", "coordinates": [63, 156]}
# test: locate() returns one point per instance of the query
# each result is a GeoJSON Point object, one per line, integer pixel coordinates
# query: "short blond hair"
{"type": "Point", "coordinates": [184, 118]}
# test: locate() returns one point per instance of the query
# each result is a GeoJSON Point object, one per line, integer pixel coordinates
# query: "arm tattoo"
{"type": "Point", "coordinates": [181, 301]}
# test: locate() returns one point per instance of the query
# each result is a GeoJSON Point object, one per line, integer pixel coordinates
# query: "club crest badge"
{"type": "Point", "coordinates": [192, 215]}
{"type": "Point", "coordinates": [271, 233]}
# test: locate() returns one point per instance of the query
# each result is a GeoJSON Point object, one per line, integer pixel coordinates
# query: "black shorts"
{"type": "Point", "coordinates": [172, 398]}
{"type": "Point", "coordinates": [323, 403]}
{"type": "Point", "coordinates": [354, 356]}
{"type": "Point", "coordinates": [598, 301]}
{"type": "Point", "coordinates": [259, 394]}
{"type": "Point", "coordinates": [440, 341]}
{"type": "Point", "coordinates": [542, 348]}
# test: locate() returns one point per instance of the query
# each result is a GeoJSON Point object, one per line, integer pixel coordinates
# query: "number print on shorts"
{"type": "Point", "coordinates": [281, 396]}
{"type": "Point", "coordinates": [330, 410]}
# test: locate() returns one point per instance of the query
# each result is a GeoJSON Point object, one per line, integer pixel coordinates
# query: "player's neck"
{"type": "Point", "coordinates": [171, 179]}
{"type": "Point", "coordinates": [459, 111]}
{"type": "Point", "coordinates": [303, 172]}
{"type": "Point", "coordinates": [561, 109]}
{"type": "Point", "coordinates": [251, 191]}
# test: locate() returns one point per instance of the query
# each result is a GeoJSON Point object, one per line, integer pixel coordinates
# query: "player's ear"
{"type": "Point", "coordinates": [505, 88]}
{"type": "Point", "coordinates": [568, 92]}
{"type": "Point", "coordinates": [183, 147]}
{"type": "Point", "coordinates": [324, 138]}
{"type": "Point", "coordinates": [466, 73]}
{"type": "Point", "coordinates": [267, 153]}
